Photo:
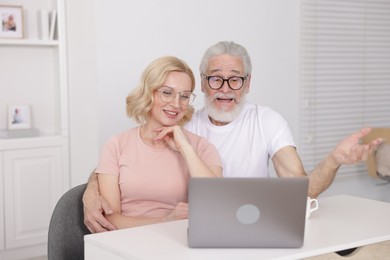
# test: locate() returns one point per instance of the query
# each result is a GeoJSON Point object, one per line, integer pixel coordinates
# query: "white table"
{"type": "Point", "coordinates": [342, 222]}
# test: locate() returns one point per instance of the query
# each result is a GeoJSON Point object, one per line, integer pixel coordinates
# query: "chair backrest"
{"type": "Point", "coordinates": [67, 229]}
{"type": "Point", "coordinates": [370, 162]}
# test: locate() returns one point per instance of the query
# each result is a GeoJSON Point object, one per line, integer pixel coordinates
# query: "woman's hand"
{"type": "Point", "coordinates": [173, 136]}
{"type": "Point", "coordinates": [179, 212]}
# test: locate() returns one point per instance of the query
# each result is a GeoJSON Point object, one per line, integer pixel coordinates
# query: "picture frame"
{"type": "Point", "coordinates": [11, 25]}
{"type": "Point", "coordinates": [19, 117]}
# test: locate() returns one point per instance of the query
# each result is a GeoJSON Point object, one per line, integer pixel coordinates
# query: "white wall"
{"type": "Point", "coordinates": [130, 34]}
{"type": "Point", "coordinates": [113, 42]}
{"type": "Point", "coordinates": [82, 72]}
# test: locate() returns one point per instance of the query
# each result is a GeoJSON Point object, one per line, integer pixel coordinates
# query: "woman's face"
{"type": "Point", "coordinates": [170, 107]}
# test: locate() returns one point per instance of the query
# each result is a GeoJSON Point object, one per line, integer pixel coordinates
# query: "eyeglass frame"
{"type": "Point", "coordinates": [191, 99]}
{"type": "Point", "coordinates": [225, 80]}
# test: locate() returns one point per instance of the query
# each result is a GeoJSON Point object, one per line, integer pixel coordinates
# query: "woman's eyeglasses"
{"type": "Point", "coordinates": [168, 95]}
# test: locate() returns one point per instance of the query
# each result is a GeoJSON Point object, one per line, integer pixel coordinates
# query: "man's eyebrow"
{"type": "Point", "coordinates": [218, 70]}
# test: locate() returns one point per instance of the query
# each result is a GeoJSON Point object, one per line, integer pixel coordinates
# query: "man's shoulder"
{"type": "Point", "coordinates": [195, 119]}
{"type": "Point", "coordinates": [260, 111]}
{"type": "Point", "coordinates": [198, 113]}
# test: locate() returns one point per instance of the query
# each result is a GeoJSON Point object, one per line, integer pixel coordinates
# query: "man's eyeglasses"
{"type": "Point", "coordinates": [168, 95]}
{"type": "Point", "coordinates": [216, 82]}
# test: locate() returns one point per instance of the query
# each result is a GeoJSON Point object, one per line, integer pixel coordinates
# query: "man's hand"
{"type": "Point", "coordinates": [94, 207]}
{"type": "Point", "coordinates": [351, 151]}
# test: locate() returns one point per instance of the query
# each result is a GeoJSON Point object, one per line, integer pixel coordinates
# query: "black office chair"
{"type": "Point", "coordinates": [67, 229]}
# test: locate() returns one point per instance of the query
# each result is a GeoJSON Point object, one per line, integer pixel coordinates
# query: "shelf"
{"type": "Point", "coordinates": [32, 167]}
{"type": "Point", "coordinates": [28, 42]}
{"type": "Point", "coordinates": [32, 142]}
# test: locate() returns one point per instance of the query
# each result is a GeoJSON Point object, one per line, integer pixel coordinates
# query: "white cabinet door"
{"type": "Point", "coordinates": [2, 245]}
{"type": "Point", "coordinates": [33, 181]}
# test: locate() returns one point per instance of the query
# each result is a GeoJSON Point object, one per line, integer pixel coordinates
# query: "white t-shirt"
{"type": "Point", "coordinates": [248, 142]}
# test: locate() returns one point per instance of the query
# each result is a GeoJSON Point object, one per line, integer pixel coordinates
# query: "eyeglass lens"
{"type": "Point", "coordinates": [168, 95]}
{"type": "Point", "coordinates": [216, 82]}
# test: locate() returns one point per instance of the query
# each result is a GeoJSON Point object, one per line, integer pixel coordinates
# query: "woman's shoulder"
{"type": "Point", "coordinates": [192, 136]}
{"type": "Point", "coordinates": [196, 140]}
{"type": "Point", "coordinates": [124, 136]}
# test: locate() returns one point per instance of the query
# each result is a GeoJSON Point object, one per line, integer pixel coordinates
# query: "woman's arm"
{"type": "Point", "coordinates": [177, 140]}
{"type": "Point", "coordinates": [109, 189]}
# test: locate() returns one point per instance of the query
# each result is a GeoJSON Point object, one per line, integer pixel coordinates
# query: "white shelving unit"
{"type": "Point", "coordinates": [24, 42]}
{"type": "Point", "coordinates": [34, 171]}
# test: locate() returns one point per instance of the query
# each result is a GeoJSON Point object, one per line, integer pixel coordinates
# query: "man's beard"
{"type": "Point", "coordinates": [221, 114]}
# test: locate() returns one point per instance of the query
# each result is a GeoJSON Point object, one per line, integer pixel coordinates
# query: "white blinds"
{"type": "Point", "coordinates": [345, 73]}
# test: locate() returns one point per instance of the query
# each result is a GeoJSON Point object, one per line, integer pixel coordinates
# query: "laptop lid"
{"type": "Point", "coordinates": [247, 212]}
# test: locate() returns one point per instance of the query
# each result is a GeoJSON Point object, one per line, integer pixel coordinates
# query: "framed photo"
{"type": "Point", "coordinates": [19, 117]}
{"type": "Point", "coordinates": [11, 21]}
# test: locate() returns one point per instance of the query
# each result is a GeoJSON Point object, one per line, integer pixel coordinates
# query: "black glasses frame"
{"type": "Point", "coordinates": [225, 80]}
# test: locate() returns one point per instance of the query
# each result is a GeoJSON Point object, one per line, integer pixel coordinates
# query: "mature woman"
{"type": "Point", "coordinates": [143, 173]}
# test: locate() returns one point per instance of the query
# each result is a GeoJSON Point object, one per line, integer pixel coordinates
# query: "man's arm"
{"type": "Point", "coordinates": [94, 207]}
{"type": "Point", "coordinates": [349, 151]}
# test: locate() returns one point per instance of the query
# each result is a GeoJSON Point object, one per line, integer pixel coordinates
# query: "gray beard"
{"type": "Point", "coordinates": [221, 115]}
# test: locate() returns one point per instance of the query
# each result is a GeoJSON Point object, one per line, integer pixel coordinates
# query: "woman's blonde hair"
{"type": "Point", "coordinates": [140, 101]}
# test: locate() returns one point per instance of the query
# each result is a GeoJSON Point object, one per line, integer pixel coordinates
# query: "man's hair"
{"type": "Point", "coordinates": [229, 48]}
{"type": "Point", "coordinates": [140, 101]}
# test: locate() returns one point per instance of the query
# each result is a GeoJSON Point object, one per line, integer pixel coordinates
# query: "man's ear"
{"type": "Point", "coordinates": [202, 86]}
{"type": "Point", "coordinates": [248, 83]}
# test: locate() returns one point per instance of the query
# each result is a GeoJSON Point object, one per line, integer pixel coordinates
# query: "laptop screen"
{"type": "Point", "coordinates": [247, 212]}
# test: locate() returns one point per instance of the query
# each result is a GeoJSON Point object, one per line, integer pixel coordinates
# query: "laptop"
{"type": "Point", "coordinates": [247, 212]}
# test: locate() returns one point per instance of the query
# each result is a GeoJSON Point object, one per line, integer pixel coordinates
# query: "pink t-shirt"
{"type": "Point", "coordinates": [151, 181]}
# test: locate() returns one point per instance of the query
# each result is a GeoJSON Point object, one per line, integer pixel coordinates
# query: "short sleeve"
{"type": "Point", "coordinates": [209, 154]}
{"type": "Point", "coordinates": [276, 131]}
{"type": "Point", "coordinates": [109, 158]}
{"type": "Point", "coordinates": [206, 151]}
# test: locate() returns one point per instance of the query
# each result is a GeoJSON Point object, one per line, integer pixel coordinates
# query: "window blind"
{"type": "Point", "coordinates": [344, 74]}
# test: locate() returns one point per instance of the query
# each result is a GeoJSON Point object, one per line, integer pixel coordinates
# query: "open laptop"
{"type": "Point", "coordinates": [247, 212]}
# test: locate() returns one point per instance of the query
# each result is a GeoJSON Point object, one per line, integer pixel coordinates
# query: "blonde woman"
{"type": "Point", "coordinates": [143, 173]}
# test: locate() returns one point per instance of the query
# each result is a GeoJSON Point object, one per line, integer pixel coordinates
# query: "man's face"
{"type": "Point", "coordinates": [225, 104]}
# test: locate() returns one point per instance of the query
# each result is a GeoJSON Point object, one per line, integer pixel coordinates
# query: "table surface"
{"type": "Point", "coordinates": [341, 222]}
